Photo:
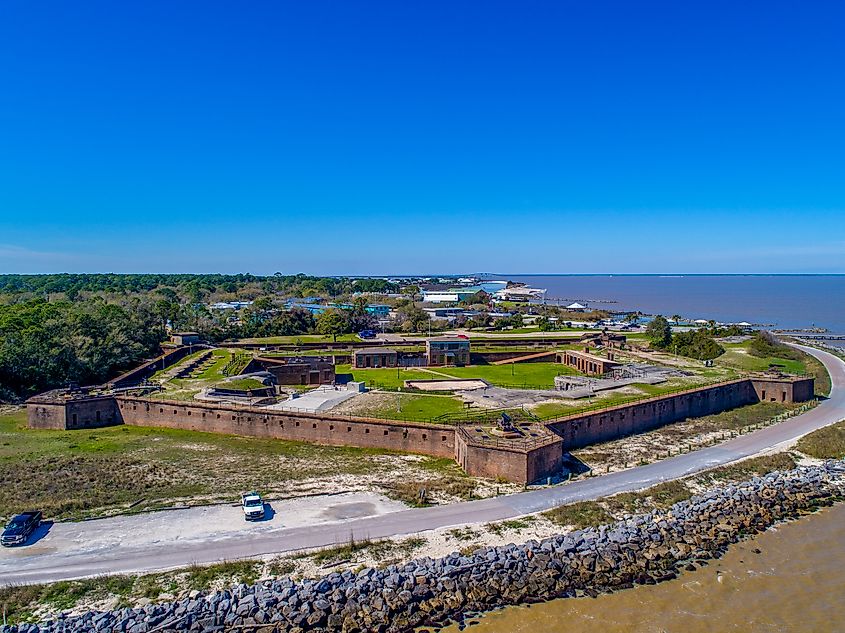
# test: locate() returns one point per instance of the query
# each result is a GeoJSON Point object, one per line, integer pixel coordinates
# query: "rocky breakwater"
{"type": "Point", "coordinates": [640, 549]}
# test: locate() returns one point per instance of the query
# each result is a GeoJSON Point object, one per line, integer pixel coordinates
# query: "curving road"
{"type": "Point", "coordinates": [64, 553]}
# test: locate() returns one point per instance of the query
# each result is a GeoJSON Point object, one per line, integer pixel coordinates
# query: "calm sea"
{"type": "Point", "coordinates": [782, 301]}
{"type": "Point", "coordinates": [790, 579]}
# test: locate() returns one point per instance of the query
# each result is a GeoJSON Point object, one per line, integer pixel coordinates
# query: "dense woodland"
{"type": "Point", "coordinates": [50, 344]}
{"type": "Point", "coordinates": [190, 287]}
{"type": "Point", "coordinates": [80, 328]}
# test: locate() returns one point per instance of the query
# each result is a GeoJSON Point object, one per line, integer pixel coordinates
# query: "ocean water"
{"type": "Point", "coordinates": [790, 579]}
{"type": "Point", "coordinates": [781, 301]}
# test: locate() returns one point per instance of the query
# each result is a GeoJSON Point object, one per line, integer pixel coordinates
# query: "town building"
{"type": "Point", "coordinates": [520, 293]}
{"type": "Point", "coordinates": [586, 363]}
{"type": "Point", "coordinates": [374, 357]}
{"type": "Point", "coordinates": [450, 295]}
{"type": "Point", "coordinates": [230, 305]}
{"type": "Point", "coordinates": [447, 350]}
{"type": "Point", "coordinates": [376, 309]}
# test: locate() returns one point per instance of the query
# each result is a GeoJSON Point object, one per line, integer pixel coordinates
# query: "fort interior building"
{"type": "Point", "coordinates": [374, 357]}
{"type": "Point", "coordinates": [586, 363]}
{"type": "Point", "coordinates": [447, 350]}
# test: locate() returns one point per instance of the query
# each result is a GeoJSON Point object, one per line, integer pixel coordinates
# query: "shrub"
{"type": "Point", "coordinates": [826, 443]}
{"type": "Point", "coordinates": [579, 515]}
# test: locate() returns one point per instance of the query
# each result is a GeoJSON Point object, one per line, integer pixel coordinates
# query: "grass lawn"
{"type": "Point", "coordinates": [531, 374]}
{"type": "Point", "coordinates": [417, 408]}
{"type": "Point", "coordinates": [242, 384]}
{"type": "Point", "coordinates": [221, 358]}
{"type": "Point", "coordinates": [386, 378]}
{"type": "Point", "coordinates": [551, 410]}
{"type": "Point", "coordinates": [556, 335]}
{"type": "Point", "coordinates": [74, 474]}
{"type": "Point", "coordinates": [737, 356]}
{"type": "Point", "coordinates": [211, 374]}
{"type": "Point", "coordinates": [187, 359]}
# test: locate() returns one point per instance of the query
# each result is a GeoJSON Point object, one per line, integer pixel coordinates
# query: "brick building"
{"type": "Point", "coordinates": [374, 357]}
{"type": "Point", "coordinates": [185, 338]}
{"type": "Point", "coordinates": [586, 363]}
{"type": "Point", "coordinates": [447, 350]}
{"type": "Point", "coordinates": [299, 370]}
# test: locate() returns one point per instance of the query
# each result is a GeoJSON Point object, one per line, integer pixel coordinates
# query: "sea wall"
{"type": "Point", "coordinates": [640, 549]}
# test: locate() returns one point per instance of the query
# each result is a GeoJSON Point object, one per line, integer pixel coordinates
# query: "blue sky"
{"type": "Point", "coordinates": [406, 137]}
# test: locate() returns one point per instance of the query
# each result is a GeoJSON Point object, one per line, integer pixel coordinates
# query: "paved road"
{"type": "Point", "coordinates": [46, 562]}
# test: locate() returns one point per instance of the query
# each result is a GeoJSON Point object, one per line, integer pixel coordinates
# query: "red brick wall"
{"type": "Point", "coordinates": [46, 416]}
{"type": "Point", "coordinates": [544, 462]}
{"type": "Point", "coordinates": [427, 439]}
{"type": "Point", "coordinates": [615, 422]}
{"type": "Point", "coordinates": [492, 462]}
{"type": "Point", "coordinates": [784, 390]}
{"type": "Point", "coordinates": [511, 464]}
{"type": "Point", "coordinates": [73, 414]}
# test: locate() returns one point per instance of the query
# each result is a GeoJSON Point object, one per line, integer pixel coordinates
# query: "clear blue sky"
{"type": "Point", "coordinates": [403, 137]}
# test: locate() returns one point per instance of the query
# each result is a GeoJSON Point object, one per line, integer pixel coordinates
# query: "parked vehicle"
{"type": "Point", "coordinates": [20, 528]}
{"type": "Point", "coordinates": [253, 506]}
{"type": "Point", "coordinates": [365, 334]}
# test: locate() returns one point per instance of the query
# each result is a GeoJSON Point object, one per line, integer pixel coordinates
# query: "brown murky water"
{"type": "Point", "coordinates": [796, 583]}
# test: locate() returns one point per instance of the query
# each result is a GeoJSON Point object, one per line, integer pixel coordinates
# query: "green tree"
{"type": "Point", "coordinates": [412, 291]}
{"type": "Point", "coordinates": [479, 298]}
{"type": "Point", "coordinates": [416, 319]}
{"type": "Point", "coordinates": [658, 332]}
{"type": "Point", "coordinates": [333, 323]}
{"type": "Point", "coordinates": [359, 306]}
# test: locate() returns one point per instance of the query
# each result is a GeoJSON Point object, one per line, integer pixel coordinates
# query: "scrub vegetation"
{"type": "Point", "coordinates": [78, 474]}
{"type": "Point", "coordinates": [826, 443]}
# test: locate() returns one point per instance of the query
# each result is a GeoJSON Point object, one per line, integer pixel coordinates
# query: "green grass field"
{"type": "Point", "coordinates": [417, 408]}
{"type": "Point", "coordinates": [242, 384]}
{"type": "Point", "coordinates": [532, 374]}
{"type": "Point", "coordinates": [736, 356]}
{"type": "Point", "coordinates": [610, 399]}
{"type": "Point", "coordinates": [76, 474]}
{"type": "Point", "coordinates": [208, 374]}
{"type": "Point", "coordinates": [386, 378]}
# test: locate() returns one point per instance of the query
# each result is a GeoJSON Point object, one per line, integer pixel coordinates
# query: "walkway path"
{"type": "Point", "coordinates": [520, 359]}
{"type": "Point", "coordinates": [66, 553]}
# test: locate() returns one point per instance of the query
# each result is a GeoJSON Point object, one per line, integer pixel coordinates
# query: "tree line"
{"type": "Point", "coordinates": [189, 286]}
{"type": "Point", "coordinates": [44, 345]}
{"type": "Point", "coordinates": [699, 343]}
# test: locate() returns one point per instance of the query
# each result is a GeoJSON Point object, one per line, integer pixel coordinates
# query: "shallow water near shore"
{"type": "Point", "coordinates": [795, 583]}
